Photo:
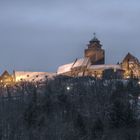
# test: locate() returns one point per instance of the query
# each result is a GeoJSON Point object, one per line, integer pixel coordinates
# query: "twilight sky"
{"type": "Point", "coordinates": [40, 35]}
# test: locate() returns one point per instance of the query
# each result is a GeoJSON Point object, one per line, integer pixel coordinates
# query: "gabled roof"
{"type": "Point", "coordinates": [5, 73]}
{"type": "Point", "coordinates": [130, 57]}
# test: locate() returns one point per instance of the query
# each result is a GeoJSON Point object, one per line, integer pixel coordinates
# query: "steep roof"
{"type": "Point", "coordinates": [130, 57]}
{"type": "Point", "coordinates": [5, 73]}
{"type": "Point", "coordinates": [83, 62]}
{"type": "Point", "coordinates": [64, 68]}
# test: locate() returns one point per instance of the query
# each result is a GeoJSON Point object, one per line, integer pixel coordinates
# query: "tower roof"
{"type": "Point", "coordinates": [94, 42]}
{"type": "Point", "coordinates": [94, 39]}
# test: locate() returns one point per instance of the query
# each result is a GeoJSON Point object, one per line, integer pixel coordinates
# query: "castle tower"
{"type": "Point", "coordinates": [95, 51]}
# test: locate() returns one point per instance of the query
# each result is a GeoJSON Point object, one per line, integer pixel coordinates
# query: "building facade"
{"type": "Point", "coordinates": [93, 64]}
{"type": "Point", "coordinates": [95, 52]}
{"type": "Point", "coordinates": [131, 66]}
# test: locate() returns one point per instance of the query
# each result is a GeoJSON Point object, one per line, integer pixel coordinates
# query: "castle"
{"type": "Point", "coordinates": [92, 64]}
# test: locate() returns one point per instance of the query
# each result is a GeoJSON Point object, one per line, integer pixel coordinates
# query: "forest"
{"type": "Point", "coordinates": [66, 108]}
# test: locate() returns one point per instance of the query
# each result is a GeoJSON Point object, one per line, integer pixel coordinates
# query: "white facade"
{"type": "Point", "coordinates": [32, 76]}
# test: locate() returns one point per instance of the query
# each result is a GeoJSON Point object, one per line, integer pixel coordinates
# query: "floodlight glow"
{"type": "Point", "coordinates": [68, 88]}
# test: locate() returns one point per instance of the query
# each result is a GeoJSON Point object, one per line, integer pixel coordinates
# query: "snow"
{"type": "Point", "coordinates": [104, 67]}
{"type": "Point", "coordinates": [83, 62]}
{"type": "Point", "coordinates": [32, 76]}
{"type": "Point", "coordinates": [64, 68]}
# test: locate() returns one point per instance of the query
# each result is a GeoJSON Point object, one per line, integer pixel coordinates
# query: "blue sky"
{"type": "Point", "coordinates": [40, 35]}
